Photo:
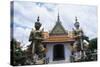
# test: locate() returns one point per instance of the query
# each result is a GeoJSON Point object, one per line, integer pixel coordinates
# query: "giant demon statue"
{"type": "Point", "coordinates": [36, 39]}
{"type": "Point", "coordinates": [81, 42]}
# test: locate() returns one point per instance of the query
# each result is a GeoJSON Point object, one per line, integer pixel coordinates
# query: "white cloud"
{"type": "Point", "coordinates": [21, 34]}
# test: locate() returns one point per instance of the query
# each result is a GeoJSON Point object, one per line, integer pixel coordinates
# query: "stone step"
{"type": "Point", "coordinates": [58, 62]}
{"type": "Point", "coordinates": [39, 62]}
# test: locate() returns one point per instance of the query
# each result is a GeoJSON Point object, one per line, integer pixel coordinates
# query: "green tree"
{"type": "Point", "coordinates": [17, 55]}
{"type": "Point", "coordinates": [93, 44]}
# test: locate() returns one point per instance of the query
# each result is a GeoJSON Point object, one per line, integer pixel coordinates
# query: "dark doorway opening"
{"type": "Point", "coordinates": [58, 52]}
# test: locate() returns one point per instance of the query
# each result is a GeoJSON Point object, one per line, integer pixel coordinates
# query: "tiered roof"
{"type": "Point", "coordinates": [60, 38]}
{"type": "Point", "coordinates": [58, 34]}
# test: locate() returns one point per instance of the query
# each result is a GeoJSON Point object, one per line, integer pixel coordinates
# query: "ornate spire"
{"type": "Point", "coordinates": [58, 19]}
{"type": "Point", "coordinates": [38, 19]}
{"type": "Point", "coordinates": [37, 24]}
{"type": "Point", "coordinates": [76, 24]}
{"type": "Point", "coordinates": [76, 19]}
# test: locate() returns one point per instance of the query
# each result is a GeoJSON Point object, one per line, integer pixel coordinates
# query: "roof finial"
{"type": "Point", "coordinates": [58, 19]}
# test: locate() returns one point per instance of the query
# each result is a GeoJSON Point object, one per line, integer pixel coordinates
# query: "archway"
{"type": "Point", "coordinates": [58, 52]}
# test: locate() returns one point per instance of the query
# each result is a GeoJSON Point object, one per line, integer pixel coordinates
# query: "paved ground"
{"type": "Point", "coordinates": [39, 62]}
{"type": "Point", "coordinates": [58, 62]}
{"type": "Point", "coordinates": [53, 62]}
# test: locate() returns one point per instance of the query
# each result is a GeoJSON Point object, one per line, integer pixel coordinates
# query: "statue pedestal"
{"type": "Point", "coordinates": [40, 61]}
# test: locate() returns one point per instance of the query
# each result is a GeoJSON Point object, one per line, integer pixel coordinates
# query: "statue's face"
{"type": "Point", "coordinates": [76, 25]}
{"type": "Point", "coordinates": [37, 25]}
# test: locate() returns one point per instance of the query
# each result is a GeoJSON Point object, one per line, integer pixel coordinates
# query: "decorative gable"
{"type": "Point", "coordinates": [58, 29]}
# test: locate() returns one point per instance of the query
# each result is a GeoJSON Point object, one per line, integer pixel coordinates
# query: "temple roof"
{"type": "Point", "coordinates": [62, 38]}
{"type": "Point", "coordinates": [57, 38]}
{"type": "Point", "coordinates": [58, 29]}
{"type": "Point", "coordinates": [58, 34]}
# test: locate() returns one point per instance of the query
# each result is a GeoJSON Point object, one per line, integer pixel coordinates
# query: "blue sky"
{"type": "Point", "coordinates": [25, 15]}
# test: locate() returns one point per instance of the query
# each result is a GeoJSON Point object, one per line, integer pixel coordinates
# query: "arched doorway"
{"type": "Point", "coordinates": [58, 52]}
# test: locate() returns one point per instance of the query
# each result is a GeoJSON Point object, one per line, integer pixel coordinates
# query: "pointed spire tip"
{"type": "Point", "coordinates": [58, 18]}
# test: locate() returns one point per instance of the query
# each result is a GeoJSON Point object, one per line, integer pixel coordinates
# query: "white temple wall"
{"type": "Point", "coordinates": [67, 51]}
{"type": "Point", "coordinates": [49, 53]}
